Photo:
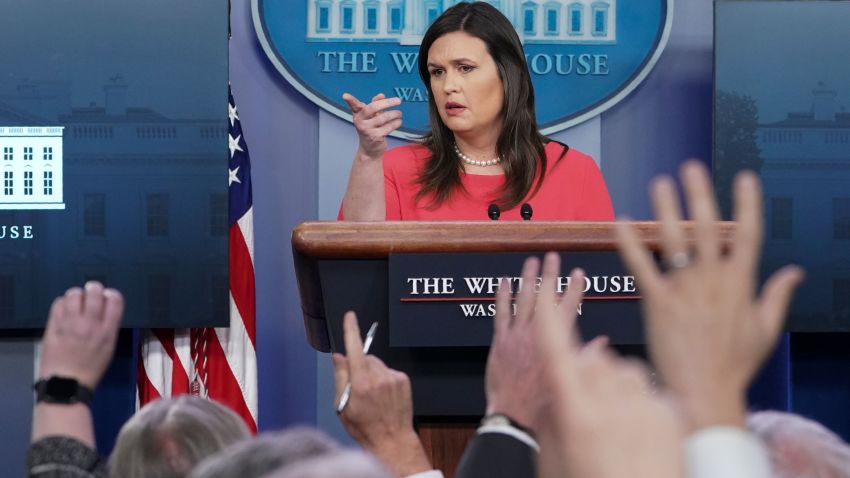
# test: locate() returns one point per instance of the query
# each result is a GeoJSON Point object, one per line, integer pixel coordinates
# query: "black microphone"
{"type": "Point", "coordinates": [494, 212]}
{"type": "Point", "coordinates": [525, 211]}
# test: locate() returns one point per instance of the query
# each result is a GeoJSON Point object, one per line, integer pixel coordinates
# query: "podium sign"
{"type": "Point", "coordinates": [448, 300]}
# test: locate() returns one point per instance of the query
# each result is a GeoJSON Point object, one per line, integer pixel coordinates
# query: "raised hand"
{"type": "Point", "coordinates": [374, 121]}
{"type": "Point", "coordinates": [606, 422]}
{"type": "Point", "coordinates": [78, 343]}
{"type": "Point", "coordinates": [81, 333]}
{"type": "Point", "coordinates": [516, 367]}
{"type": "Point", "coordinates": [379, 413]}
{"type": "Point", "coordinates": [708, 332]}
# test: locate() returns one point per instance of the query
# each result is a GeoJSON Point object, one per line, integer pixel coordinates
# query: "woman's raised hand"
{"type": "Point", "coordinates": [374, 122]}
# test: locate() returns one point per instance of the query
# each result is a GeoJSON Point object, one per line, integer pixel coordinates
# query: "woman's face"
{"type": "Point", "coordinates": [465, 84]}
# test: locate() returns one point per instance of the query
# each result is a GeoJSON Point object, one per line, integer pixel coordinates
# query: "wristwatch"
{"type": "Point", "coordinates": [64, 390]}
{"type": "Point", "coordinates": [500, 419]}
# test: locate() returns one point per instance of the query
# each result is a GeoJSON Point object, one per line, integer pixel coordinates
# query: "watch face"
{"type": "Point", "coordinates": [58, 387]}
{"type": "Point", "coordinates": [499, 420]}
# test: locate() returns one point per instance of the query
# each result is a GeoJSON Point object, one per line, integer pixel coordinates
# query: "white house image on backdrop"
{"type": "Point", "coordinates": [31, 167]}
{"type": "Point", "coordinates": [405, 21]}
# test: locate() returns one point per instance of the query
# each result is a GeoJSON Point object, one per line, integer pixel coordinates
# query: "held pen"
{"type": "Point", "coordinates": [346, 392]}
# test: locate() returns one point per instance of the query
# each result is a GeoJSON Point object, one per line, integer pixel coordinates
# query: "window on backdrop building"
{"type": "Point", "coordinates": [370, 17]}
{"type": "Point", "coordinates": [433, 11]}
{"type": "Point", "coordinates": [841, 297]}
{"type": "Point", "coordinates": [323, 16]}
{"type": "Point", "coordinates": [8, 153]}
{"type": "Point", "coordinates": [8, 183]}
{"type": "Point", "coordinates": [220, 298]}
{"type": "Point", "coordinates": [529, 15]}
{"type": "Point", "coordinates": [600, 18]}
{"type": "Point", "coordinates": [396, 16]}
{"type": "Point", "coordinates": [346, 15]}
{"type": "Point", "coordinates": [841, 218]}
{"type": "Point", "coordinates": [218, 215]}
{"type": "Point", "coordinates": [47, 153]}
{"type": "Point", "coordinates": [159, 298]}
{"type": "Point", "coordinates": [7, 297]}
{"type": "Point", "coordinates": [48, 183]}
{"type": "Point", "coordinates": [575, 18]}
{"type": "Point", "coordinates": [27, 183]}
{"type": "Point", "coordinates": [27, 153]}
{"type": "Point", "coordinates": [552, 18]}
{"type": "Point", "coordinates": [94, 215]}
{"type": "Point", "coordinates": [781, 218]}
{"type": "Point", "coordinates": [157, 214]}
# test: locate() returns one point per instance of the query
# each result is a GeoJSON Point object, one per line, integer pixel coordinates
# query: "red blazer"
{"type": "Point", "coordinates": [573, 190]}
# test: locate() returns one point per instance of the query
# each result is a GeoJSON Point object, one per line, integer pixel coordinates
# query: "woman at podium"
{"type": "Point", "coordinates": [484, 156]}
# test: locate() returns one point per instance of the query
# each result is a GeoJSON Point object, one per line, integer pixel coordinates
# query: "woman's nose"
{"type": "Point", "coordinates": [450, 83]}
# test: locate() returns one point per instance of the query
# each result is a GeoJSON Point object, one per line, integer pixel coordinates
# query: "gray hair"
{"type": "Point", "coordinates": [167, 437]}
{"type": "Point", "coordinates": [336, 464]}
{"type": "Point", "coordinates": [800, 447]}
{"type": "Point", "coordinates": [266, 453]}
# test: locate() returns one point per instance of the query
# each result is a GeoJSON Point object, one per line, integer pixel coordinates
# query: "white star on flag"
{"type": "Point", "coordinates": [233, 144]}
{"type": "Point", "coordinates": [233, 177]}
{"type": "Point", "coordinates": [231, 113]}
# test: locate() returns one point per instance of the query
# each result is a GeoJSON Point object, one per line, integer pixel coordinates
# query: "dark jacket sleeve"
{"type": "Point", "coordinates": [63, 457]}
{"type": "Point", "coordinates": [497, 455]}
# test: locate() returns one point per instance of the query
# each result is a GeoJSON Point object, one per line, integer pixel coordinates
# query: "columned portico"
{"type": "Point", "coordinates": [405, 21]}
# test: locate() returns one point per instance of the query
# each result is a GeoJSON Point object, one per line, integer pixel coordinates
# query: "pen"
{"type": "Point", "coordinates": [346, 392]}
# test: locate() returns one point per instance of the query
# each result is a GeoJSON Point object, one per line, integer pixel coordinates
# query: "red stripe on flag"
{"type": "Point", "coordinates": [222, 385]}
{"type": "Point", "coordinates": [242, 281]}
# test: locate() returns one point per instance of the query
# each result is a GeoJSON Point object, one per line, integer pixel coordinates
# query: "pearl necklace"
{"type": "Point", "coordinates": [474, 162]}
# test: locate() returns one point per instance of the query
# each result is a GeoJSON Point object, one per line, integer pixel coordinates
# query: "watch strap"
{"type": "Point", "coordinates": [62, 390]}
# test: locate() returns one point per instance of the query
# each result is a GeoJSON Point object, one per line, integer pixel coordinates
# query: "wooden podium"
{"type": "Point", "coordinates": [343, 266]}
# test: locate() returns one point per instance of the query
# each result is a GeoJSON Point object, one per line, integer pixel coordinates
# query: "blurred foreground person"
{"type": "Point", "coordinates": [266, 453]}
{"type": "Point", "coordinates": [169, 436]}
{"type": "Point", "coordinates": [336, 464]}
{"type": "Point", "coordinates": [799, 447]}
{"type": "Point", "coordinates": [707, 328]}
{"type": "Point", "coordinates": [606, 420]}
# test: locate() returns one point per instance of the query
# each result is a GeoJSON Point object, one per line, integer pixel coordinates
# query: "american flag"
{"type": "Point", "coordinates": [218, 363]}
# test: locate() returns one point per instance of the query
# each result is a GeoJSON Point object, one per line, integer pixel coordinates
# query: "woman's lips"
{"type": "Point", "coordinates": [454, 109]}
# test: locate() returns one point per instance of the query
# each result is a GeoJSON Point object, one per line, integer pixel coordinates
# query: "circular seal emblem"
{"type": "Point", "coordinates": [584, 55]}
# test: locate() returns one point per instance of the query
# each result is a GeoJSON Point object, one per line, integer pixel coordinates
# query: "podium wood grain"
{"type": "Point", "coordinates": [444, 442]}
{"type": "Point", "coordinates": [340, 239]}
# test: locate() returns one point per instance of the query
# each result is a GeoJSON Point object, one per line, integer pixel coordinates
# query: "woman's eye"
{"type": "Point", "coordinates": [436, 72]}
{"type": "Point", "coordinates": [466, 68]}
